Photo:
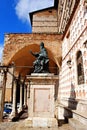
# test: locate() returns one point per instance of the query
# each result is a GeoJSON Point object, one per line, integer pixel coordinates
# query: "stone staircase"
{"type": "Point", "coordinates": [77, 125]}
{"type": "Point", "coordinates": [77, 119]}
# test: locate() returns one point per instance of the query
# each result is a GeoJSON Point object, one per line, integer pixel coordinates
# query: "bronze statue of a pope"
{"type": "Point", "coordinates": [41, 64]}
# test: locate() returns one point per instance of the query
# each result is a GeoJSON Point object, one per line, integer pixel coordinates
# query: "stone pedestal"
{"type": "Point", "coordinates": [41, 100]}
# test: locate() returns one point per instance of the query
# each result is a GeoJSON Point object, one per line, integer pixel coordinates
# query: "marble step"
{"type": "Point", "coordinates": [77, 125]}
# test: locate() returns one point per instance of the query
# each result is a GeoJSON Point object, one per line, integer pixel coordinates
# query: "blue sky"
{"type": "Point", "coordinates": [14, 16]}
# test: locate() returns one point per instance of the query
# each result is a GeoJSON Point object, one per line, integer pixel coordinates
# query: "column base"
{"type": "Point", "coordinates": [13, 115]}
{"type": "Point", "coordinates": [25, 106]}
{"type": "Point", "coordinates": [20, 109]}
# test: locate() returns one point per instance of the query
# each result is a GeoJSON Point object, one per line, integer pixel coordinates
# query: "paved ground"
{"type": "Point", "coordinates": [21, 125]}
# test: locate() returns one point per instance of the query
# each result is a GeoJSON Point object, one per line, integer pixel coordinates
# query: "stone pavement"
{"type": "Point", "coordinates": [21, 126]}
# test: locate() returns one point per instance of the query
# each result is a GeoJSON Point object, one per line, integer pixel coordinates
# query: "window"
{"type": "Point", "coordinates": [80, 70]}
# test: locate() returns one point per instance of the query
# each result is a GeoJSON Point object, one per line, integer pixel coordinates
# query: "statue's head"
{"type": "Point", "coordinates": [42, 44]}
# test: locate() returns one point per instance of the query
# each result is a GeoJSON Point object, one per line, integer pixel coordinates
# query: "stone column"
{"type": "Point", "coordinates": [28, 93]}
{"type": "Point", "coordinates": [20, 107]}
{"type": "Point", "coordinates": [25, 96]}
{"type": "Point", "coordinates": [3, 77]}
{"type": "Point", "coordinates": [14, 107]}
{"type": "Point", "coordinates": [28, 96]}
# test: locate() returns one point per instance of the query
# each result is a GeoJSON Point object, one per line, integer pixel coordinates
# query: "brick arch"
{"type": "Point", "coordinates": [17, 48]}
{"type": "Point", "coordinates": [24, 60]}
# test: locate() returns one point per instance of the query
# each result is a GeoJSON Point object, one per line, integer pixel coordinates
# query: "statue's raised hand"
{"type": "Point", "coordinates": [31, 52]}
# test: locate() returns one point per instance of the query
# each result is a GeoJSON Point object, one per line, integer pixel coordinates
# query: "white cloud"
{"type": "Point", "coordinates": [23, 7]}
{"type": "Point", "coordinates": [1, 51]}
{"type": "Point", "coordinates": [39, 4]}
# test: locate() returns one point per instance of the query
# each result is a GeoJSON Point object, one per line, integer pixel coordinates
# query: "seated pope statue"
{"type": "Point", "coordinates": [41, 64]}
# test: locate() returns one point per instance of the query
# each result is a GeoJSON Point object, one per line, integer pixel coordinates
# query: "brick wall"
{"type": "Point", "coordinates": [16, 42]}
{"type": "Point", "coordinates": [45, 21]}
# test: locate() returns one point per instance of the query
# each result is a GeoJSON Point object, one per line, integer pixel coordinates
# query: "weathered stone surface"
{"type": "Point", "coordinates": [41, 102]}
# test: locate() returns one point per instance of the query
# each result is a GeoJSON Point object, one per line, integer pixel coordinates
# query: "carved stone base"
{"type": "Point", "coordinates": [41, 104]}
{"type": "Point", "coordinates": [41, 122]}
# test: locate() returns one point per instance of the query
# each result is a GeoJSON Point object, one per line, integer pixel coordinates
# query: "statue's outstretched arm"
{"type": "Point", "coordinates": [34, 54]}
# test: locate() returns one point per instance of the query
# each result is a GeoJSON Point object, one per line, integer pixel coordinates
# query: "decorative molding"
{"type": "Point", "coordinates": [85, 3]}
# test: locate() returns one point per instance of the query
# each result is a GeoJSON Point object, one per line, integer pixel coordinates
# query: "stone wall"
{"type": "Point", "coordinates": [73, 43]}
{"type": "Point", "coordinates": [66, 9]}
{"type": "Point", "coordinates": [71, 93]}
{"type": "Point", "coordinates": [9, 85]}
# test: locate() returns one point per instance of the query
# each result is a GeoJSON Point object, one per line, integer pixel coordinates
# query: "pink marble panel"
{"type": "Point", "coordinates": [41, 100]}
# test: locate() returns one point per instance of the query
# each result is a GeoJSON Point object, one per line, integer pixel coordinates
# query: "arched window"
{"type": "Point", "coordinates": [80, 69]}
